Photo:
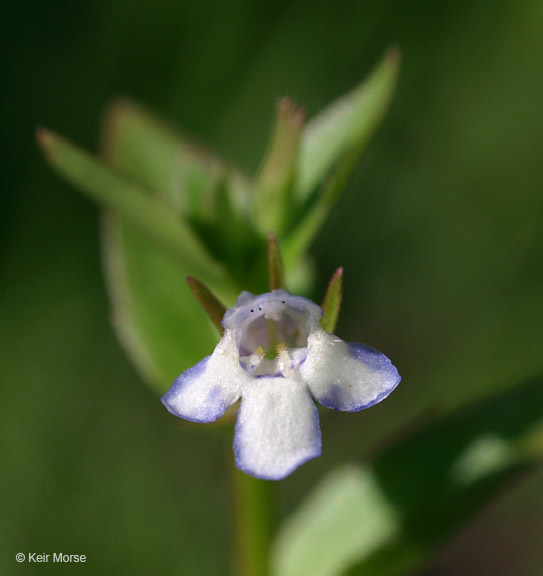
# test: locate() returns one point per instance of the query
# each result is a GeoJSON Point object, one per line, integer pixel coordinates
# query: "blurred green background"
{"type": "Point", "coordinates": [440, 234]}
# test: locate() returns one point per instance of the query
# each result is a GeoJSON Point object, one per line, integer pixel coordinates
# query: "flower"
{"type": "Point", "coordinates": [275, 355]}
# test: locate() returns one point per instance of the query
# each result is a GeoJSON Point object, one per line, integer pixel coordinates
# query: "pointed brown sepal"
{"type": "Point", "coordinates": [215, 310]}
{"type": "Point", "coordinates": [332, 301]}
{"type": "Point", "coordinates": [275, 264]}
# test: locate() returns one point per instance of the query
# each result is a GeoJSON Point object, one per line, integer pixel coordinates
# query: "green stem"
{"type": "Point", "coordinates": [254, 512]}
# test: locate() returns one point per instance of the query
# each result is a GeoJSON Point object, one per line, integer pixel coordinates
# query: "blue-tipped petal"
{"type": "Point", "coordinates": [204, 392]}
{"type": "Point", "coordinates": [345, 376]}
{"type": "Point", "coordinates": [277, 428]}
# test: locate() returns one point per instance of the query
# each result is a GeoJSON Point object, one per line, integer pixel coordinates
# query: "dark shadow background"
{"type": "Point", "coordinates": [440, 234]}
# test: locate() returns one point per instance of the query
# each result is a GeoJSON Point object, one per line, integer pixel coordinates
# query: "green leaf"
{"type": "Point", "coordinates": [301, 237]}
{"type": "Point", "coordinates": [215, 199]}
{"type": "Point", "coordinates": [162, 328]}
{"type": "Point", "coordinates": [387, 517]}
{"type": "Point", "coordinates": [273, 188]}
{"type": "Point", "coordinates": [345, 126]}
{"type": "Point", "coordinates": [114, 191]}
{"type": "Point", "coordinates": [330, 148]}
{"type": "Point", "coordinates": [167, 163]}
{"type": "Point", "coordinates": [332, 301]}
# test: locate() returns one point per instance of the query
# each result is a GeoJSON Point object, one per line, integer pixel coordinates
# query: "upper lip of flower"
{"type": "Point", "coordinates": [270, 305]}
{"type": "Point", "coordinates": [271, 334]}
{"type": "Point", "coordinates": [275, 355]}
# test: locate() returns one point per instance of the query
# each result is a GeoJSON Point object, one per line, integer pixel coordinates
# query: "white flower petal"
{"type": "Point", "coordinates": [277, 428]}
{"type": "Point", "coordinates": [203, 393]}
{"type": "Point", "coordinates": [346, 376]}
{"type": "Point", "coordinates": [275, 355]}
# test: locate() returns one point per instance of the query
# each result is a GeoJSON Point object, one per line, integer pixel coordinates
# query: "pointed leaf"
{"type": "Point", "coordinates": [389, 516]}
{"type": "Point", "coordinates": [161, 327]}
{"type": "Point", "coordinates": [275, 264]}
{"type": "Point", "coordinates": [156, 318]}
{"type": "Point", "coordinates": [215, 310]}
{"type": "Point", "coordinates": [332, 301]}
{"type": "Point", "coordinates": [274, 181]}
{"type": "Point", "coordinates": [112, 190]}
{"type": "Point", "coordinates": [336, 139]}
{"type": "Point", "coordinates": [167, 163]}
{"type": "Point", "coordinates": [368, 104]}
{"type": "Point", "coordinates": [345, 127]}
{"type": "Point", "coordinates": [213, 198]}
{"type": "Point", "coordinates": [305, 231]}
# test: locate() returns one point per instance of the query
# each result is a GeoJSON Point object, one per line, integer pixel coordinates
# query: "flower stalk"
{"type": "Point", "coordinates": [254, 512]}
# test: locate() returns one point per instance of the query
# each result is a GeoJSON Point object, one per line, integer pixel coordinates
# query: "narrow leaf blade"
{"type": "Point", "coordinates": [346, 125]}
{"type": "Point", "coordinates": [275, 179]}
{"type": "Point", "coordinates": [115, 192]}
{"type": "Point", "coordinates": [167, 163]}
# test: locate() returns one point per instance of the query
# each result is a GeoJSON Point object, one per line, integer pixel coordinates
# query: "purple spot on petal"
{"type": "Point", "coordinates": [333, 398]}
{"type": "Point", "coordinates": [215, 402]}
